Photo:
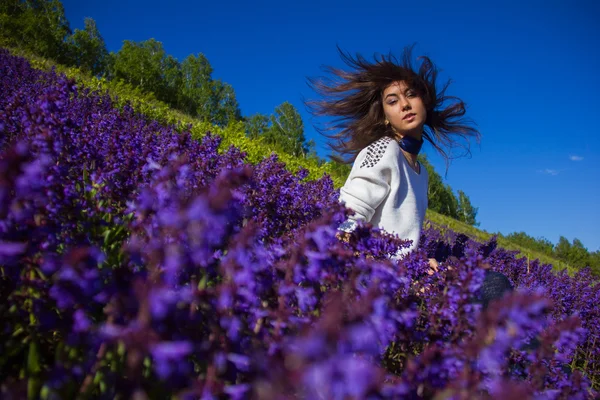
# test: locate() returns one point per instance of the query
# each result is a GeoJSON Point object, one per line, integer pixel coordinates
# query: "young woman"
{"type": "Point", "coordinates": [384, 111]}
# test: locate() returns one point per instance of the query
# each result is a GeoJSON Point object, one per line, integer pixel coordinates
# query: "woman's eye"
{"type": "Point", "coordinates": [392, 102]}
{"type": "Point", "coordinates": [410, 94]}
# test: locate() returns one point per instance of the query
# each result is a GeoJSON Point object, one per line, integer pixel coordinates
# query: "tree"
{"type": "Point", "coordinates": [449, 203]}
{"type": "Point", "coordinates": [87, 49]}
{"type": "Point", "coordinates": [256, 125]}
{"type": "Point", "coordinates": [541, 244]}
{"type": "Point", "coordinates": [340, 169]}
{"type": "Point", "coordinates": [172, 78]}
{"type": "Point", "coordinates": [287, 130]}
{"type": "Point", "coordinates": [11, 21]}
{"type": "Point", "coordinates": [563, 248]}
{"type": "Point", "coordinates": [141, 65]}
{"type": "Point", "coordinates": [187, 86]}
{"type": "Point", "coordinates": [595, 262]}
{"type": "Point", "coordinates": [311, 145]}
{"type": "Point", "coordinates": [196, 87]}
{"type": "Point", "coordinates": [575, 254]}
{"type": "Point", "coordinates": [440, 196]}
{"type": "Point", "coordinates": [39, 26]}
{"type": "Point", "coordinates": [225, 108]}
{"type": "Point", "coordinates": [579, 255]}
{"type": "Point", "coordinates": [435, 184]}
{"type": "Point", "coordinates": [467, 213]}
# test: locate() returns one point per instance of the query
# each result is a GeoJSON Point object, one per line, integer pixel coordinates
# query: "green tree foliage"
{"type": "Point", "coordinates": [466, 212]}
{"type": "Point", "coordinates": [563, 248]}
{"type": "Point", "coordinates": [39, 26]}
{"type": "Point", "coordinates": [283, 129]}
{"type": "Point", "coordinates": [205, 98]}
{"type": "Point", "coordinates": [287, 130]}
{"type": "Point", "coordinates": [226, 107]}
{"type": "Point", "coordinates": [595, 262]}
{"type": "Point", "coordinates": [579, 254]}
{"type": "Point", "coordinates": [256, 125]}
{"type": "Point", "coordinates": [87, 49]}
{"type": "Point", "coordinates": [172, 82]}
{"type": "Point", "coordinates": [574, 254]}
{"type": "Point", "coordinates": [441, 198]}
{"type": "Point", "coordinates": [141, 65]}
{"type": "Point", "coordinates": [541, 245]}
{"type": "Point", "coordinates": [339, 169]}
{"type": "Point", "coordinates": [311, 145]}
{"type": "Point", "coordinates": [187, 86]}
{"type": "Point", "coordinates": [196, 90]}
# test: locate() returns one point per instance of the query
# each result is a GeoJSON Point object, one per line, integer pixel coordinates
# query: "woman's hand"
{"type": "Point", "coordinates": [343, 236]}
{"type": "Point", "coordinates": [433, 266]}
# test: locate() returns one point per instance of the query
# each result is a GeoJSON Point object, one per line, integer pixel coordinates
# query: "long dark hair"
{"type": "Point", "coordinates": [355, 100]}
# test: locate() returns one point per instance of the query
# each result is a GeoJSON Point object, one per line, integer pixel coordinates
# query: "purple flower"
{"type": "Point", "coordinates": [8, 249]}
{"type": "Point", "coordinates": [81, 323]}
{"type": "Point", "coordinates": [169, 358]}
{"type": "Point", "coordinates": [156, 250]}
{"type": "Point", "coordinates": [237, 391]}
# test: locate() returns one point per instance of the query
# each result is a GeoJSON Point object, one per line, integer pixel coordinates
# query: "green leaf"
{"type": "Point", "coordinates": [33, 371]}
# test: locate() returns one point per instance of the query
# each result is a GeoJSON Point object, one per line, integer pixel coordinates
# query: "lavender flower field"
{"type": "Point", "coordinates": [137, 262]}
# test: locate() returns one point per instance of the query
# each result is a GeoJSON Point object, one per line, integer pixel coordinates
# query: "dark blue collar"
{"type": "Point", "coordinates": [410, 144]}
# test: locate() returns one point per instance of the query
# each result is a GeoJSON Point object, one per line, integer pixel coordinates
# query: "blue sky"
{"type": "Point", "coordinates": [528, 71]}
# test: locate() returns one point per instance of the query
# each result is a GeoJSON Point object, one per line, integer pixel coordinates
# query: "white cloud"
{"type": "Point", "coordinates": [575, 158]}
{"type": "Point", "coordinates": [552, 172]}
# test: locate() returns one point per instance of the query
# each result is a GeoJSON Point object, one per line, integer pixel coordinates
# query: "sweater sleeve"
{"type": "Point", "coordinates": [368, 183]}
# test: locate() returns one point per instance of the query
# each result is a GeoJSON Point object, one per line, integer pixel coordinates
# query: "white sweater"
{"type": "Point", "coordinates": [384, 190]}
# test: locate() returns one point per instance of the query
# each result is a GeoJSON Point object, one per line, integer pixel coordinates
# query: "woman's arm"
{"type": "Point", "coordinates": [368, 184]}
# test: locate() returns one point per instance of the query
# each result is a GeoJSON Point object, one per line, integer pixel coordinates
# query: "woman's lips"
{"type": "Point", "coordinates": [409, 117]}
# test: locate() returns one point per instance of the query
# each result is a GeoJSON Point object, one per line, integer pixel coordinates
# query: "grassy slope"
{"type": "Point", "coordinates": [160, 111]}
{"type": "Point", "coordinates": [443, 222]}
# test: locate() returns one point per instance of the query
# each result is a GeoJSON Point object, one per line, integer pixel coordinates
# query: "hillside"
{"type": "Point", "coordinates": [233, 135]}
{"type": "Point", "coordinates": [138, 261]}
{"type": "Point", "coordinates": [442, 223]}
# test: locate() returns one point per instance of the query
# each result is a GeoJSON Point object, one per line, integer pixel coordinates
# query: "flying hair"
{"type": "Point", "coordinates": [354, 99]}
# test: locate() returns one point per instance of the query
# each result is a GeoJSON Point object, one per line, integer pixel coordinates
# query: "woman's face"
{"type": "Point", "coordinates": [404, 109]}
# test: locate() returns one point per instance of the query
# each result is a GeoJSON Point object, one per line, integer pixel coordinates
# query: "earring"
{"type": "Point", "coordinates": [387, 122]}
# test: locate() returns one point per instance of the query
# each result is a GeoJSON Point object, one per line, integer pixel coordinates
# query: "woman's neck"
{"type": "Point", "coordinates": [412, 158]}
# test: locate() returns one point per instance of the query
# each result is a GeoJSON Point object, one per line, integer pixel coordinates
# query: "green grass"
{"type": "Point", "coordinates": [443, 223]}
